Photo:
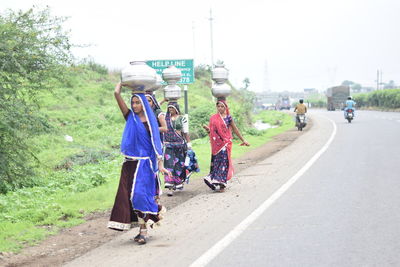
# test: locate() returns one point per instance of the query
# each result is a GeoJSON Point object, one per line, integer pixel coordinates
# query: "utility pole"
{"type": "Point", "coordinates": [194, 41]}
{"type": "Point", "coordinates": [211, 38]}
{"type": "Point", "coordinates": [266, 85]}
{"type": "Point", "coordinates": [378, 79]}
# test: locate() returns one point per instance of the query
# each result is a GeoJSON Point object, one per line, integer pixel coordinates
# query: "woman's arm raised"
{"type": "Point", "coordinates": [121, 103]}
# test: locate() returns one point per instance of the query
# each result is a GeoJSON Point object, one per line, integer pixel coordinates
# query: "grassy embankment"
{"type": "Point", "coordinates": [79, 177]}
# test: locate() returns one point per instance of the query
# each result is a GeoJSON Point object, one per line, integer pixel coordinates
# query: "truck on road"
{"type": "Point", "coordinates": [336, 97]}
{"type": "Point", "coordinates": [283, 103]}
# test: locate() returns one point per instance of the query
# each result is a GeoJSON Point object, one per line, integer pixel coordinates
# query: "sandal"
{"type": "Point", "coordinates": [170, 192]}
{"type": "Point", "coordinates": [208, 182]}
{"type": "Point", "coordinates": [137, 237]}
{"type": "Point", "coordinates": [142, 239]}
{"type": "Point", "coordinates": [220, 188]}
{"type": "Point", "coordinates": [141, 236]}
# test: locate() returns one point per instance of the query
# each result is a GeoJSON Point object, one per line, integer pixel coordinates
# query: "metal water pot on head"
{"type": "Point", "coordinates": [138, 76]}
{"type": "Point", "coordinates": [172, 75]}
{"type": "Point", "coordinates": [220, 89]}
{"type": "Point", "coordinates": [219, 74]}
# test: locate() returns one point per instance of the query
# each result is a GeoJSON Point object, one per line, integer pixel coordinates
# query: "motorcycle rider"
{"type": "Point", "coordinates": [350, 104]}
{"type": "Point", "coordinates": [300, 109]}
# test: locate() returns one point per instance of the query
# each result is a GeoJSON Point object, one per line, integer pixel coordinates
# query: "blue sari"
{"type": "Point", "coordinates": [138, 145]}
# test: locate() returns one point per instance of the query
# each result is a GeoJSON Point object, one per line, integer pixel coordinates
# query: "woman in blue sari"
{"type": "Point", "coordinates": [141, 146]}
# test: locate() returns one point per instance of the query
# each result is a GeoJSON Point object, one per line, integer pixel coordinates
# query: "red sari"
{"type": "Point", "coordinates": [221, 141]}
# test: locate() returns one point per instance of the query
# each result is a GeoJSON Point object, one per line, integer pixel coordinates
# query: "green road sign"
{"type": "Point", "coordinates": [186, 66]}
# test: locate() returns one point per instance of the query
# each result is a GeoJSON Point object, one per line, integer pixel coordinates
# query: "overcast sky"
{"type": "Point", "coordinates": [277, 44]}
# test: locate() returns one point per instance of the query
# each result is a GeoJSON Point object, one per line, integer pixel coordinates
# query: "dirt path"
{"type": "Point", "coordinates": [73, 242]}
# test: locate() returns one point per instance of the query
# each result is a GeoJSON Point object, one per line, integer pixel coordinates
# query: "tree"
{"type": "Point", "coordinates": [246, 83]}
{"type": "Point", "coordinates": [347, 82]}
{"type": "Point", "coordinates": [356, 87]}
{"type": "Point", "coordinates": [202, 71]}
{"type": "Point", "coordinates": [34, 52]}
{"type": "Point", "coordinates": [390, 85]}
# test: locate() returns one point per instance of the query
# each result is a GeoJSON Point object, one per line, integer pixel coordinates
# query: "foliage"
{"type": "Point", "coordinates": [90, 64]}
{"type": "Point", "coordinates": [203, 71]}
{"type": "Point", "coordinates": [390, 85]}
{"type": "Point", "coordinates": [389, 99]}
{"type": "Point", "coordinates": [246, 83]}
{"type": "Point", "coordinates": [33, 53]}
{"type": "Point", "coordinates": [316, 100]}
{"type": "Point", "coordinates": [199, 117]}
{"type": "Point", "coordinates": [30, 214]}
{"type": "Point", "coordinates": [243, 112]}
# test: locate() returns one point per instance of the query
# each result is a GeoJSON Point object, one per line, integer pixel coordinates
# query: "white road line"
{"type": "Point", "coordinates": [211, 253]}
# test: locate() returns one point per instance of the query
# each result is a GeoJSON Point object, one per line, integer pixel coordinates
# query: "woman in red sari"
{"type": "Point", "coordinates": [220, 131]}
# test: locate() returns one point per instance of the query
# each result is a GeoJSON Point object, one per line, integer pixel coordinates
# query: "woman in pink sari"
{"type": "Point", "coordinates": [220, 131]}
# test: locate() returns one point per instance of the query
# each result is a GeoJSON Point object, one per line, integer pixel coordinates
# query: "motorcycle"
{"type": "Point", "coordinates": [349, 115]}
{"type": "Point", "coordinates": [301, 122]}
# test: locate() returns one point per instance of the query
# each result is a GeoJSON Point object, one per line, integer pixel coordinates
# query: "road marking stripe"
{"type": "Point", "coordinates": [211, 253]}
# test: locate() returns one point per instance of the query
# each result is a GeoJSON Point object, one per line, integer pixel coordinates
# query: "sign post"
{"type": "Point", "coordinates": [186, 66]}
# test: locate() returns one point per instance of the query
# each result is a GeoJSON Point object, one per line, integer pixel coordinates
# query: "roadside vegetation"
{"type": "Point", "coordinates": [316, 100]}
{"type": "Point", "coordinates": [60, 129]}
{"type": "Point", "coordinates": [387, 99]}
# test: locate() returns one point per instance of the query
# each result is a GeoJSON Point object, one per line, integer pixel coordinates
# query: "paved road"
{"type": "Point", "coordinates": [342, 210]}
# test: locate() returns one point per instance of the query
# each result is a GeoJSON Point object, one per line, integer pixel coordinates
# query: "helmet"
{"type": "Point", "coordinates": [301, 100]}
{"type": "Point", "coordinates": [349, 97]}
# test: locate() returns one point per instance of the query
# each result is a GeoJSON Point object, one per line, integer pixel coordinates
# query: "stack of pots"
{"type": "Point", "coordinates": [171, 76]}
{"type": "Point", "coordinates": [139, 77]}
{"type": "Point", "coordinates": [220, 88]}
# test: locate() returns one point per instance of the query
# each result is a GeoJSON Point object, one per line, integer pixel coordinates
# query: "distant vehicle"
{"type": "Point", "coordinates": [283, 103]}
{"type": "Point", "coordinates": [336, 97]}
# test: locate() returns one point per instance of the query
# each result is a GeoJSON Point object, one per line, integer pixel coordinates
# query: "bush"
{"type": "Point", "coordinates": [33, 56]}
{"type": "Point", "coordinates": [388, 98]}
{"type": "Point", "coordinates": [199, 117]}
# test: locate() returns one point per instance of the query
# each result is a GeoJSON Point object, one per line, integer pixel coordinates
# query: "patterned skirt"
{"type": "Point", "coordinates": [218, 170]}
{"type": "Point", "coordinates": [174, 161]}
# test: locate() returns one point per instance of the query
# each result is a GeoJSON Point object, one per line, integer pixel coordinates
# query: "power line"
{"type": "Point", "coordinates": [211, 38]}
